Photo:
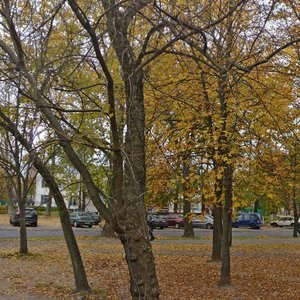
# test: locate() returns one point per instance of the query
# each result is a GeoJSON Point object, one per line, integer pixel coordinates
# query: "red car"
{"type": "Point", "coordinates": [175, 220]}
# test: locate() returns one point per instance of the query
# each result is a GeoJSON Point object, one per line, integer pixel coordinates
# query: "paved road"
{"type": "Point", "coordinates": [8, 231]}
{"type": "Point", "coordinates": [33, 232]}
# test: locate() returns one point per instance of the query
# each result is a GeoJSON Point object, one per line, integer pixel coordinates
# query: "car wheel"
{"type": "Point", "coordinates": [209, 226]}
{"type": "Point", "coordinates": [177, 226]}
{"type": "Point", "coordinates": [90, 226]}
{"type": "Point", "coordinates": [34, 224]}
{"type": "Point", "coordinates": [75, 224]}
{"type": "Point", "coordinates": [274, 224]}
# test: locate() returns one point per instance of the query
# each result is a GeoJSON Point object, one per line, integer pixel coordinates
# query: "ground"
{"type": "Point", "coordinates": [262, 268]}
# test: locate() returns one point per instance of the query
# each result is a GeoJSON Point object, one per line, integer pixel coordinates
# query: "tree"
{"type": "Point", "coordinates": [230, 50]}
{"type": "Point", "coordinates": [128, 217]}
{"type": "Point", "coordinates": [14, 78]}
{"type": "Point", "coordinates": [13, 159]}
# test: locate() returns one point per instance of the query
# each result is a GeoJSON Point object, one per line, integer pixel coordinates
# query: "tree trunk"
{"type": "Point", "coordinates": [108, 231]}
{"type": "Point", "coordinates": [23, 232]}
{"type": "Point", "coordinates": [9, 187]}
{"type": "Point", "coordinates": [217, 214]}
{"type": "Point", "coordinates": [296, 217]}
{"type": "Point", "coordinates": [256, 206]}
{"type": "Point", "coordinates": [217, 233]}
{"type": "Point", "coordinates": [140, 260]}
{"type": "Point", "coordinates": [294, 155]}
{"type": "Point", "coordinates": [227, 229]}
{"type": "Point", "coordinates": [188, 225]}
{"type": "Point", "coordinates": [143, 280]}
{"type": "Point", "coordinates": [175, 207]}
{"type": "Point", "coordinates": [83, 200]}
{"type": "Point", "coordinates": [49, 204]}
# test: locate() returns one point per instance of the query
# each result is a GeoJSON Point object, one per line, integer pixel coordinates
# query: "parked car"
{"type": "Point", "coordinates": [81, 218]}
{"type": "Point", "coordinates": [157, 221]}
{"type": "Point", "coordinates": [31, 217]}
{"type": "Point", "coordinates": [203, 222]}
{"type": "Point", "coordinates": [96, 217]}
{"type": "Point", "coordinates": [252, 220]}
{"type": "Point", "coordinates": [174, 220]}
{"type": "Point", "coordinates": [286, 221]}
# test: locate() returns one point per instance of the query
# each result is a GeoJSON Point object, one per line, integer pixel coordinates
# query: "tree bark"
{"type": "Point", "coordinates": [217, 232]}
{"type": "Point", "coordinates": [23, 232]}
{"type": "Point", "coordinates": [256, 206]}
{"type": "Point", "coordinates": [227, 216]}
{"type": "Point", "coordinates": [49, 204]}
{"type": "Point", "coordinates": [143, 283]}
{"type": "Point", "coordinates": [294, 155]}
{"type": "Point", "coordinates": [9, 187]}
{"type": "Point", "coordinates": [108, 231]}
{"type": "Point", "coordinates": [296, 218]}
{"type": "Point", "coordinates": [188, 225]}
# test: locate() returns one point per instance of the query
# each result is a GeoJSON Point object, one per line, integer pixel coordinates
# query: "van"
{"type": "Point", "coordinates": [252, 220]}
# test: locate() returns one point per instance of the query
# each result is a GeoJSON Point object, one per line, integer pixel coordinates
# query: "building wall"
{"type": "Point", "coordinates": [41, 192]}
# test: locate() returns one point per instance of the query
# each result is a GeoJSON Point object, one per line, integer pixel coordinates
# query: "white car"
{"type": "Point", "coordinates": [287, 221]}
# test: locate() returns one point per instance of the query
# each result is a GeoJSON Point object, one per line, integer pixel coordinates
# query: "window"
{"type": "Point", "coordinates": [240, 217]}
{"type": "Point", "coordinates": [246, 217]}
{"type": "Point", "coordinates": [44, 199]}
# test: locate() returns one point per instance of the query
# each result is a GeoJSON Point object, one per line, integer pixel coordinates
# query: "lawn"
{"type": "Point", "coordinates": [264, 268]}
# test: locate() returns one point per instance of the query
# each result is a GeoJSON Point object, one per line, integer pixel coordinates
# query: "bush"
{"type": "Point", "coordinates": [3, 209]}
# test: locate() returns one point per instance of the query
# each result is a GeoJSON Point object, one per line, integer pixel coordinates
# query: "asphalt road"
{"type": "Point", "coordinates": [8, 231]}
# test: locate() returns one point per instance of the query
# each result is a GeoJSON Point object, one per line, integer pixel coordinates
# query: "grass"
{"type": "Point", "coordinates": [260, 270]}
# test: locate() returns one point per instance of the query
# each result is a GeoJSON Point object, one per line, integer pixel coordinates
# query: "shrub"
{"type": "Point", "coordinates": [3, 209]}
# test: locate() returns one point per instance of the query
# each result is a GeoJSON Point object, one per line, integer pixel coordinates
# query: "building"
{"type": "Point", "coordinates": [41, 197]}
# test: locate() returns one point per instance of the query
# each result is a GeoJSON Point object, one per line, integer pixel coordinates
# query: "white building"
{"type": "Point", "coordinates": [41, 196]}
{"type": "Point", "coordinates": [41, 192]}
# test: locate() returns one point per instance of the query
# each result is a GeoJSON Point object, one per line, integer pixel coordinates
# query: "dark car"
{"type": "Point", "coordinates": [96, 217]}
{"type": "Point", "coordinates": [175, 220]}
{"type": "Point", "coordinates": [31, 217]}
{"type": "Point", "coordinates": [157, 222]}
{"type": "Point", "coordinates": [252, 220]}
{"type": "Point", "coordinates": [81, 218]}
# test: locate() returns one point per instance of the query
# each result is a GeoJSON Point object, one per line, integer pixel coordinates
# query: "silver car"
{"type": "Point", "coordinates": [203, 222]}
